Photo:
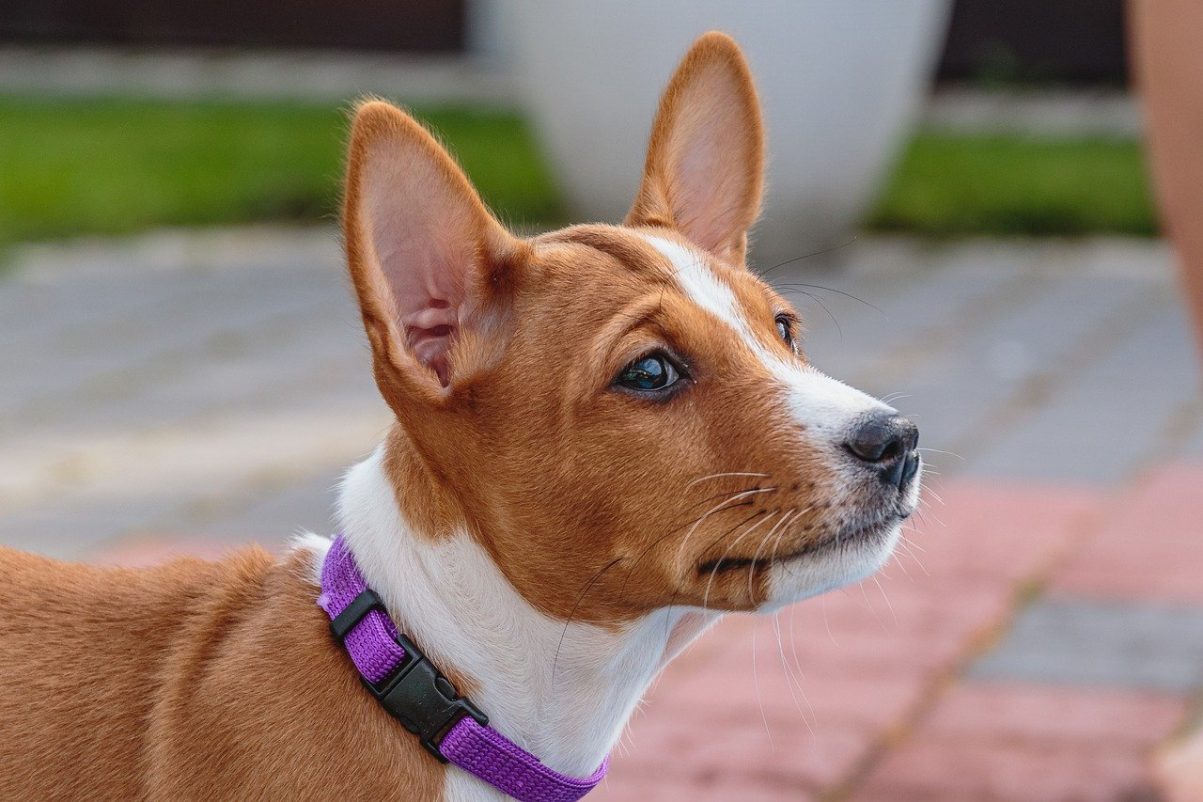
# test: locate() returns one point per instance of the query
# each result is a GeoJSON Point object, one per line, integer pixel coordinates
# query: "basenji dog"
{"type": "Point", "coordinates": [605, 437]}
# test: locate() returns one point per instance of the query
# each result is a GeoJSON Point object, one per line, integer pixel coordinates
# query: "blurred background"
{"type": "Point", "coordinates": [959, 203]}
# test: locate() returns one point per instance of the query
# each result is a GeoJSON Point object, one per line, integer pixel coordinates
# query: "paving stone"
{"type": "Point", "coordinates": [38, 312]}
{"type": "Point", "coordinates": [993, 530]}
{"type": "Point", "coordinates": [1149, 546]}
{"type": "Point", "coordinates": [912, 325]}
{"type": "Point", "coordinates": [1114, 417]}
{"type": "Point", "coordinates": [784, 755]}
{"type": "Point", "coordinates": [1192, 443]}
{"type": "Point", "coordinates": [893, 308]}
{"type": "Point", "coordinates": [196, 474]}
{"type": "Point", "coordinates": [940, 770]}
{"type": "Point", "coordinates": [276, 361]}
{"type": "Point", "coordinates": [624, 786]}
{"type": "Point", "coordinates": [1004, 364]}
{"type": "Point", "coordinates": [1012, 741]}
{"type": "Point", "coordinates": [172, 334]}
{"type": "Point", "coordinates": [273, 519]}
{"type": "Point", "coordinates": [69, 532]}
{"type": "Point", "coordinates": [1055, 715]}
{"type": "Point", "coordinates": [1094, 643]}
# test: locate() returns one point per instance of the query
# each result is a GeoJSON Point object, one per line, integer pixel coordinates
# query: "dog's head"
{"type": "Point", "coordinates": [622, 415]}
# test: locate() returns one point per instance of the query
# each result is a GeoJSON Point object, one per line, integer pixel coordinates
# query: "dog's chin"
{"type": "Point", "coordinates": [833, 564]}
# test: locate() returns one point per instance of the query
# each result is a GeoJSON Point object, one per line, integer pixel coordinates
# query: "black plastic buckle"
{"type": "Point", "coordinates": [416, 693]}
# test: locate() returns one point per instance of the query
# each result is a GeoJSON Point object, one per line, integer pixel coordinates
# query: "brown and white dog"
{"type": "Point", "coordinates": [605, 436]}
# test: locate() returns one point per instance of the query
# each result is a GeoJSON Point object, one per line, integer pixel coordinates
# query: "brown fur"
{"type": "Point", "coordinates": [193, 680]}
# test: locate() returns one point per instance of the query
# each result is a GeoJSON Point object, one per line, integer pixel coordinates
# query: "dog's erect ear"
{"type": "Point", "coordinates": [705, 164]}
{"type": "Point", "coordinates": [426, 257]}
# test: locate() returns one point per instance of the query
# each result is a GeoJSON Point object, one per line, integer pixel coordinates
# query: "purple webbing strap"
{"type": "Point", "coordinates": [470, 745]}
{"type": "Point", "coordinates": [372, 644]}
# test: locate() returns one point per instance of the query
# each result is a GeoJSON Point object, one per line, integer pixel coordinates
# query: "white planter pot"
{"type": "Point", "coordinates": [840, 82]}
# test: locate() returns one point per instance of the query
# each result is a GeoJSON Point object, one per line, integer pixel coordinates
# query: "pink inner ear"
{"type": "Point", "coordinates": [429, 333]}
{"type": "Point", "coordinates": [427, 292]}
{"type": "Point", "coordinates": [424, 266]}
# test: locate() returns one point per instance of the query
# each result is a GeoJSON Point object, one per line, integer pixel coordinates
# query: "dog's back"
{"type": "Point", "coordinates": [122, 684]}
{"type": "Point", "coordinates": [83, 657]}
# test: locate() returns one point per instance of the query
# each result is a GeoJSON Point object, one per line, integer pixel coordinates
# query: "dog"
{"type": "Point", "coordinates": [606, 437]}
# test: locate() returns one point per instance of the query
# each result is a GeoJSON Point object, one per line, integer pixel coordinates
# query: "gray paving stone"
{"type": "Point", "coordinates": [960, 396]}
{"type": "Point", "coordinates": [40, 314]}
{"type": "Point", "coordinates": [63, 372]}
{"type": "Point", "coordinates": [272, 518]}
{"type": "Point", "coordinates": [262, 363]}
{"type": "Point", "coordinates": [906, 294]}
{"type": "Point", "coordinates": [1085, 642]}
{"type": "Point", "coordinates": [1112, 419]}
{"type": "Point", "coordinates": [1192, 445]}
{"type": "Point", "coordinates": [194, 475]}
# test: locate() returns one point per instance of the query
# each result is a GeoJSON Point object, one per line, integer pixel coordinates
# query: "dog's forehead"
{"type": "Point", "coordinates": [640, 259]}
{"type": "Point", "coordinates": [603, 250]}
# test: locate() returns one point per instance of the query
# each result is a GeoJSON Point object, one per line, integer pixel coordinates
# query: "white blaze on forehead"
{"type": "Point", "coordinates": [816, 400]}
{"type": "Point", "coordinates": [702, 286]}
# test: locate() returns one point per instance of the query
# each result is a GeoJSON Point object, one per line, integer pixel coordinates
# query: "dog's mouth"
{"type": "Point", "coordinates": [858, 535]}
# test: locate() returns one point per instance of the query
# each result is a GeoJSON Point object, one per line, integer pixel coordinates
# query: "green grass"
{"type": "Point", "coordinates": [111, 166]}
{"type": "Point", "coordinates": [971, 184]}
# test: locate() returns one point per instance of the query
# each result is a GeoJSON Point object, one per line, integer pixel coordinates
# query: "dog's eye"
{"type": "Point", "coordinates": [785, 328]}
{"type": "Point", "coordinates": [649, 373]}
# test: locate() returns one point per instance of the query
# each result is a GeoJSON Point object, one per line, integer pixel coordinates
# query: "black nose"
{"type": "Point", "coordinates": [886, 442]}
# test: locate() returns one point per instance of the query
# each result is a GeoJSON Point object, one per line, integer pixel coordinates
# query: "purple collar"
{"type": "Point", "coordinates": [412, 690]}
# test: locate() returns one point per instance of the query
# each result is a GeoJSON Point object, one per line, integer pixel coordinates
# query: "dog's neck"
{"type": "Point", "coordinates": [562, 692]}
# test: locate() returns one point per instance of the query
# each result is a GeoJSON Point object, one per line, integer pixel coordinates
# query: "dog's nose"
{"type": "Point", "coordinates": [886, 442]}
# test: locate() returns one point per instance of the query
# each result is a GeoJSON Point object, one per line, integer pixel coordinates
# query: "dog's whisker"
{"type": "Point", "coordinates": [939, 451]}
{"type": "Point", "coordinates": [760, 696]}
{"type": "Point", "coordinates": [791, 681]}
{"type": "Point", "coordinates": [756, 557]}
{"type": "Point", "coordinates": [722, 494]}
{"type": "Point", "coordinates": [648, 549]}
{"type": "Point", "coordinates": [724, 474]}
{"type": "Point", "coordinates": [576, 606]}
{"type": "Point", "coordinates": [886, 596]}
{"type": "Point", "coordinates": [927, 491]}
{"type": "Point", "coordinates": [811, 255]}
{"type": "Point", "coordinates": [732, 545]}
{"type": "Point", "coordinates": [793, 646]}
{"type": "Point", "coordinates": [823, 306]}
{"type": "Point", "coordinates": [795, 284]}
{"type": "Point", "coordinates": [694, 528]}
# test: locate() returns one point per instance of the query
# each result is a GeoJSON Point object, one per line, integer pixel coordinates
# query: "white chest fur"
{"type": "Point", "coordinates": [562, 693]}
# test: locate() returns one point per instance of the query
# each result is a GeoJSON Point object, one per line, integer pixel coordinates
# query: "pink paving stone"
{"type": "Point", "coordinates": [630, 788]}
{"type": "Point", "coordinates": [999, 529]}
{"type": "Point", "coordinates": [1011, 741]}
{"type": "Point", "coordinates": [1149, 546]}
{"type": "Point", "coordinates": [792, 757]}
{"type": "Point", "coordinates": [733, 694]}
{"type": "Point", "coordinates": [1044, 714]}
{"type": "Point", "coordinates": [969, 769]}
